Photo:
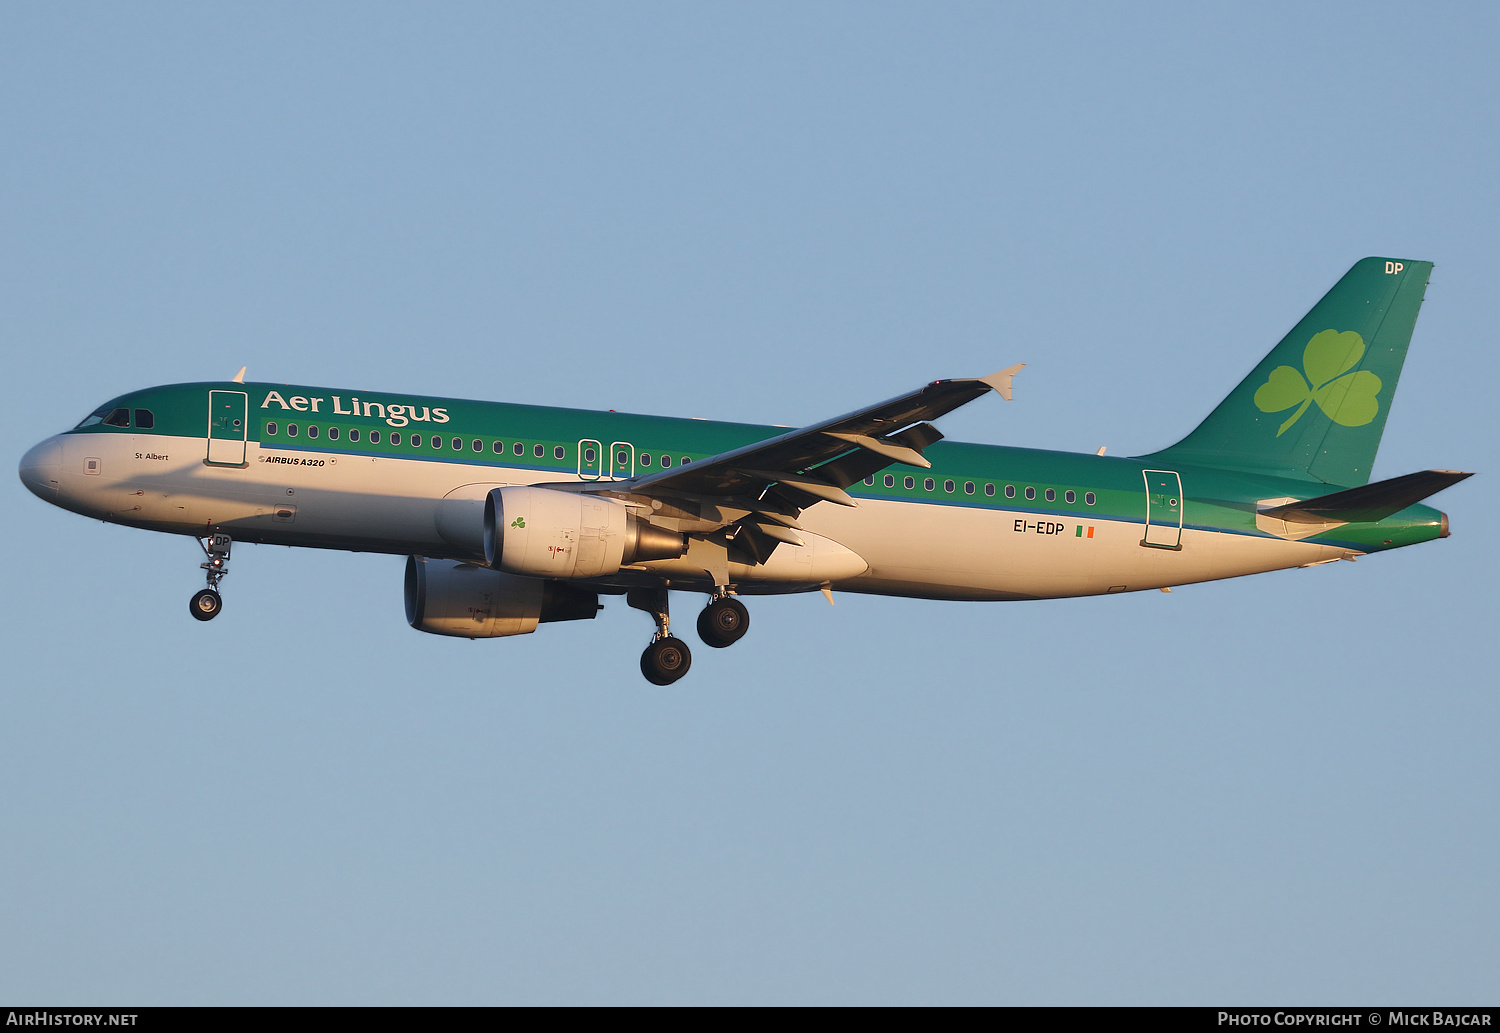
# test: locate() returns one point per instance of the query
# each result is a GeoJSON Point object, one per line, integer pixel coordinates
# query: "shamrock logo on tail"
{"type": "Point", "coordinates": [1348, 399]}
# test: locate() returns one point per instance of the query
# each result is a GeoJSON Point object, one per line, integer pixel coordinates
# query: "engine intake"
{"type": "Point", "coordinates": [445, 597]}
{"type": "Point", "coordinates": [540, 532]}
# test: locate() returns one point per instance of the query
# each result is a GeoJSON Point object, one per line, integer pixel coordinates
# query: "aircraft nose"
{"type": "Point", "coordinates": [41, 467]}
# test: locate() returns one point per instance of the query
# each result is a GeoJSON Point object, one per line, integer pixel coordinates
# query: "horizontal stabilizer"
{"type": "Point", "coordinates": [1369, 503]}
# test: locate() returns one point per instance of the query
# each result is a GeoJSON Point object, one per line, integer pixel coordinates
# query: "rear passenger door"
{"type": "Point", "coordinates": [1163, 509]}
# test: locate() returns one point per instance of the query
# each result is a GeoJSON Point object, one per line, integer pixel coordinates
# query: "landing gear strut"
{"type": "Point", "coordinates": [666, 659]}
{"type": "Point", "coordinates": [206, 604]}
{"type": "Point", "coordinates": [723, 621]}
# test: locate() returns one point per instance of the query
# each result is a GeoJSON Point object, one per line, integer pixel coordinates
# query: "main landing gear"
{"type": "Point", "coordinates": [723, 622]}
{"type": "Point", "coordinates": [206, 604]}
{"type": "Point", "coordinates": [667, 658]}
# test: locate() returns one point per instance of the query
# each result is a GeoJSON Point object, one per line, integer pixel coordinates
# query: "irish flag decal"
{"type": "Point", "coordinates": [1078, 531]}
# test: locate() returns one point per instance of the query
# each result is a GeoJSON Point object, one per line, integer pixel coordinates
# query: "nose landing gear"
{"type": "Point", "coordinates": [667, 658]}
{"type": "Point", "coordinates": [205, 605]}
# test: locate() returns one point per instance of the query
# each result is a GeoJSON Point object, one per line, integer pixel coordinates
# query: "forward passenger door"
{"type": "Point", "coordinates": [228, 425]}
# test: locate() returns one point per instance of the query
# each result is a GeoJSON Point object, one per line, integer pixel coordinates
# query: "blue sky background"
{"type": "Point", "coordinates": [1279, 789]}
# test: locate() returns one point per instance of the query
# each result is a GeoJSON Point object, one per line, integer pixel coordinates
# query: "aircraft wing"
{"type": "Point", "coordinates": [816, 463]}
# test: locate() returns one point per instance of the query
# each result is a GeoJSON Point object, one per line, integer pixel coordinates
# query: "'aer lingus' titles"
{"type": "Point", "coordinates": [395, 415]}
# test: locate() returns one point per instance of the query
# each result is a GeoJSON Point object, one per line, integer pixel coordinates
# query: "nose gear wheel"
{"type": "Point", "coordinates": [206, 605]}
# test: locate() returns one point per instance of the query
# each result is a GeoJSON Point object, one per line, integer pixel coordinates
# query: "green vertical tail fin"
{"type": "Point", "coordinates": [1315, 407]}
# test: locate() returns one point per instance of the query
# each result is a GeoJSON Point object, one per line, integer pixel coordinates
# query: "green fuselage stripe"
{"type": "Point", "coordinates": [1216, 500]}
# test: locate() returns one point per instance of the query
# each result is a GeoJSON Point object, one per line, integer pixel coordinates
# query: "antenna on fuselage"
{"type": "Point", "coordinates": [239, 378]}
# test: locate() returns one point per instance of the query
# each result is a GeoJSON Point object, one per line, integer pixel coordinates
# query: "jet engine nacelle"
{"type": "Point", "coordinates": [445, 597]}
{"type": "Point", "coordinates": [541, 532]}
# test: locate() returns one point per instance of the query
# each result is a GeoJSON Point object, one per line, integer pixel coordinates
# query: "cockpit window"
{"type": "Point", "coordinates": [108, 416]}
{"type": "Point", "coordinates": [145, 419]}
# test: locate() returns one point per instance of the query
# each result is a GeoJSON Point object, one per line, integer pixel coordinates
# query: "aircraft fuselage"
{"type": "Point", "coordinates": [339, 471]}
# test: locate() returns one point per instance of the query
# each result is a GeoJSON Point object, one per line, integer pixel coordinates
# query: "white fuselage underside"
{"type": "Point", "coordinates": [435, 507]}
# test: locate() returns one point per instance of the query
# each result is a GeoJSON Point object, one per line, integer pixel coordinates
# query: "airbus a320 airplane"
{"type": "Point", "coordinates": [515, 515]}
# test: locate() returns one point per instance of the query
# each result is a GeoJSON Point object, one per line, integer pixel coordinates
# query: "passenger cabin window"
{"type": "Point", "coordinates": [968, 487]}
{"type": "Point", "coordinates": [291, 430]}
{"type": "Point", "coordinates": [416, 440]}
{"type": "Point", "coordinates": [1088, 497]}
{"type": "Point", "coordinates": [910, 482]}
{"type": "Point", "coordinates": [354, 435]}
{"type": "Point", "coordinates": [558, 452]}
{"type": "Point", "coordinates": [589, 455]}
{"type": "Point", "coordinates": [145, 419]}
{"type": "Point", "coordinates": [437, 442]}
{"type": "Point", "coordinates": [686, 460]}
{"type": "Point", "coordinates": [498, 448]}
{"type": "Point", "coordinates": [1051, 495]}
{"type": "Point", "coordinates": [645, 458]}
{"type": "Point", "coordinates": [1030, 494]}
{"type": "Point", "coordinates": [458, 444]}
{"type": "Point", "coordinates": [375, 438]}
{"type": "Point", "coordinates": [478, 445]}
{"type": "Point", "coordinates": [927, 484]}
{"type": "Point", "coordinates": [271, 430]}
{"type": "Point", "coordinates": [948, 487]}
{"type": "Point", "coordinates": [333, 433]}
{"type": "Point", "coordinates": [118, 418]}
{"type": "Point", "coordinates": [312, 432]}
{"type": "Point", "coordinates": [989, 489]}
{"type": "Point", "coordinates": [890, 480]}
{"type": "Point", "coordinates": [1010, 491]}
{"type": "Point", "coordinates": [395, 437]}
{"type": "Point", "coordinates": [519, 449]}
{"type": "Point", "coordinates": [870, 479]}
{"type": "Point", "coordinates": [1069, 497]}
{"type": "Point", "coordinates": [540, 451]}
{"type": "Point", "coordinates": [666, 461]}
